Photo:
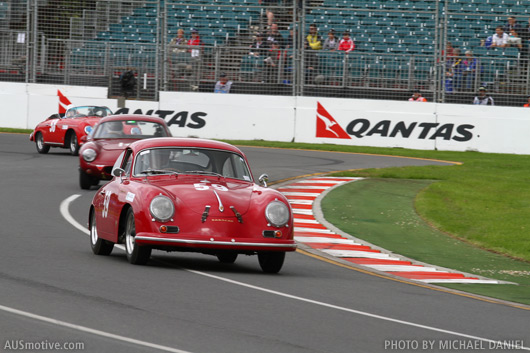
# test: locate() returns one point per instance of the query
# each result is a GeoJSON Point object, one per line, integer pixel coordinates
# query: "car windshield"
{"type": "Point", "coordinates": [86, 111]}
{"type": "Point", "coordinates": [129, 129]}
{"type": "Point", "coordinates": [191, 161]}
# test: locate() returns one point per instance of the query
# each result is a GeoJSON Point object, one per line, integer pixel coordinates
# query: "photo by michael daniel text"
{"type": "Point", "coordinates": [454, 345]}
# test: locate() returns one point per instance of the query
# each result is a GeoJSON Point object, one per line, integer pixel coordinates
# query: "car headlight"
{"type": "Point", "coordinates": [277, 213]}
{"type": "Point", "coordinates": [88, 129]}
{"type": "Point", "coordinates": [89, 154]}
{"type": "Point", "coordinates": [162, 208]}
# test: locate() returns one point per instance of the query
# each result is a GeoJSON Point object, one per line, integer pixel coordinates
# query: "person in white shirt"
{"type": "Point", "coordinates": [483, 98]}
{"type": "Point", "coordinates": [500, 38]}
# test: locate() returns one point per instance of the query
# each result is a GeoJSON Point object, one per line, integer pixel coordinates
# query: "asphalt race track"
{"type": "Point", "coordinates": [53, 290]}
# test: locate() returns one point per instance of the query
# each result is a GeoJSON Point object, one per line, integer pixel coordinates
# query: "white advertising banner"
{"type": "Point", "coordinates": [356, 122]}
{"type": "Point", "coordinates": [229, 116]}
{"type": "Point", "coordinates": [415, 125]}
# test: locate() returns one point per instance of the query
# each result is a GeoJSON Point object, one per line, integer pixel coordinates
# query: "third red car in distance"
{"type": "Point", "coordinates": [68, 131]}
{"type": "Point", "coordinates": [110, 137]}
{"type": "Point", "coordinates": [189, 194]}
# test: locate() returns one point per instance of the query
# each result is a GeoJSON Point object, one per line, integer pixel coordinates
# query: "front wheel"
{"type": "Point", "coordinates": [136, 255]}
{"type": "Point", "coordinates": [73, 144]}
{"type": "Point", "coordinates": [271, 262]}
{"type": "Point", "coordinates": [85, 180]}
{"type": "Point", "coordinates": [99, 246]}
{"type": "Point", "coordinates": [39, 143]}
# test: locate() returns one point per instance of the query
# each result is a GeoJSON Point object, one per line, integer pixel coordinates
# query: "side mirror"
{"type": "Point", "coordinates": [119, 172]}
{"type": "Point", "coordinates": [263, 179]}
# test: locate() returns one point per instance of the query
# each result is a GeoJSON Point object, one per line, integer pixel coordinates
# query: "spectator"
{"type": "Point", "coordinates": [482, 98]}
{"type": "Point", "coordinates": [514, 40]}
{"type": "Point", "coordinates": [346, 44]}
{"type": "Point", "coordinates": [178, 41]}
{"type": "Point", "coordinates": [525, 41]}
{"type": "Point", "coordinates": [313, 40]}
{"type": "Point", "coordinates": [469, 70]}
{"type": "Point", "coordinates": [331, 42]}
{"type": "Point", "coordinates": [453, 73]}
{"type": "Point", "coordinates": [500, 38]}
{"type": "Point", "coordinates": [195, 40]}
{"type": "Point", "coordinates": [223, 85]}
{"type": "Point", "coordinates": [527, 105]}
{"type": "Point", "coordinates": [449, 48]}
{"type": "Point", "coordinates": [269, 10]}
{"type": "Point", "coordinates": [512, 25]}
{"type": "Point", "coordinates": [272, 62]}
{"type": "Point", "coordinates": [260, 47]}
{"type": "Point", "coordinates": [195, 45]}
{"type": "Point", "coordinates": [274, 35]}
{"type": "Point", "coordinates": [417, 97]}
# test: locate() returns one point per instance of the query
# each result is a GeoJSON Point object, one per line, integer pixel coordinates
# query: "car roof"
{"type": "Point", "coordinates": [125, 117]}
{"type": "Point", "coordinates": [183, 142]}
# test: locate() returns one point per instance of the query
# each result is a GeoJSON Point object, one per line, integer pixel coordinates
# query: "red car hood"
{"type": "Point", "coordinates": [115, 144]}
{"type": "Point", "coordinates": [197, 193]}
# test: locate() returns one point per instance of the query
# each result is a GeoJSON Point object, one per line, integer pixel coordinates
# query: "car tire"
{"type": "Point", "coordinates": [39, 143]}
{"type": "Point", "coordinates": [99, 246]}
{"type": "Point", "coordinates": [227, 257]}
{"type": "Point", "coordinates": [136, 255]}
{"type": "Point", "coordinates": [271, 262]}
{"type": "Point", "coordinates": [85, 180]}
{"type": "Point", "coordinates": [73, 144]}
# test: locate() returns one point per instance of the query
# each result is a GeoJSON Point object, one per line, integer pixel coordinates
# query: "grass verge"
{"type": "Point", "coordinates": [15, 131]}
{"type": "Point", "coordinates": [484, 201]}
{"type": "Point", "coordinates": [381, 211]}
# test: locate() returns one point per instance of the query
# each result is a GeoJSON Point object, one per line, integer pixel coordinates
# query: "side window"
{"type": "Point", "coordinates": [118, 162]}
{"type": "Point", "coordinates": [228, 169]}
{"type": "Point", "coordinates": [127, 162]}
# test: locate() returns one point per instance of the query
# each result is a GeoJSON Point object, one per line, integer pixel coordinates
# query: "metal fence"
{"type": "Point", "coordinates": [400, 46]}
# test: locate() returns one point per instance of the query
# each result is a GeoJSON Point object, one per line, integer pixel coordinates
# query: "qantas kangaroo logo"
{"type": "Point", "coordinates": [327, 126]}
{"type": "Point", "coordinates": [63, 102]}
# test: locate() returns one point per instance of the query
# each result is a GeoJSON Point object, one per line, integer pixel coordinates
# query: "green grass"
{"type": "Point", "coordinates": [472, 217]}
{"type": "Point", "coordinates": [484, 201]}
{"type": "Point", "coordinates": [381, 211]}
{"type": "Point", "coordinates": [15, 131]}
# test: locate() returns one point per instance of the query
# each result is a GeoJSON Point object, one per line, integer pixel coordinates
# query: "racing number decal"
{"type": "Point", "coordinates": [201, 186]}
{"type": "Point", "coordinates": [106, 203]}
{"type": "Point", "coordinates": [53, 125]}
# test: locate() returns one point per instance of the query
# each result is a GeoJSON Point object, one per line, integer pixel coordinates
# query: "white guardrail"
{"type": "Point", "coordinates": [361, 122]}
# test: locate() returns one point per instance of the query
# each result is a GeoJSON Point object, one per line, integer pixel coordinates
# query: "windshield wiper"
{"type": "Point", "coordinates": [204, 172]}
{"type": "Point", "coordinates": [158, 171]}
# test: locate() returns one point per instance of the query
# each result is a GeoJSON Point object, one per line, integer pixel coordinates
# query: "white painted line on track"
{"type": "Point", "coordinates": [261, 289]}
{"type": "Point", "coordinates": [325, 240]}
{"type": "Point", "coordinates": [90, 330]}
{"type": "Point", "coordinates": [63, 208]}
{"type": "Point", "coordinates": [353, 311]}
{"type": "Point", "coordinates": [404, 268]}
{"type": "Point", "coordinates": [460, 280]}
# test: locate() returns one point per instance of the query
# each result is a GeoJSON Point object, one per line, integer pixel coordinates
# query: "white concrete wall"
{"type": "Point", "coordinates": [247, 117]}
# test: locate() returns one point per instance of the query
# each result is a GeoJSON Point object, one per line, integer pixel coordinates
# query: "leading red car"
{"type": "Point", "coordinates": [109, 138]}
{"type": "Point", "coordinates": [67, 131]}
{"type": "Point", "coordinates": [185, 194]}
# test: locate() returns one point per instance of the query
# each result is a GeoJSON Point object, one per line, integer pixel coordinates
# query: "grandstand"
{"type": "Point", "coordinates": [400, 45]}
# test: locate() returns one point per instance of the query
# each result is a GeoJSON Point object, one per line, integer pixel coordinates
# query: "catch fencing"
{"type": "Point", "coordinates": [400, 46]}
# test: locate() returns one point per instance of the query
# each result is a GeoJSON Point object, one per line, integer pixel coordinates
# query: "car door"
{"type": "Point", "coordinates": [109, 205]}
{"type": "Point", "coordinates": [49, 127]}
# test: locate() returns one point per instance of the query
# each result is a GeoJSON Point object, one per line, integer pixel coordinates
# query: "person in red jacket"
{"type": "Point", "coordinates": [346, 43]}
{"type": "Point", "coordinates": [527, 105]}
{"type": "Point", "coordinates": [417, 97]}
